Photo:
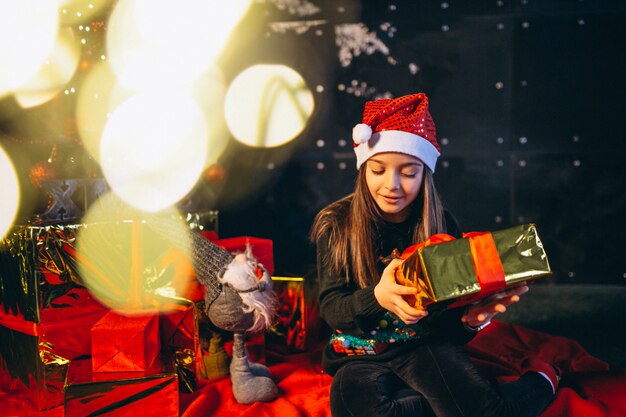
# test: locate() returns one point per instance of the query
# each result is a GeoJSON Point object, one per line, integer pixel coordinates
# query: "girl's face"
{"type": "Point", "coordinates": [394, 180]}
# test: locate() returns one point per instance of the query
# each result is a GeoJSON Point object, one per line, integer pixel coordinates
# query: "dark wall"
{"type": "Point", "coordinates": [527, 97]}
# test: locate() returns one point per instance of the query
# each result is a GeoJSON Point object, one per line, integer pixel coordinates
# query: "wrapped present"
{"type": "Point", "coordinates": [476, 266]}
{"type": "Point", "coordinates": [125, 343]}
{"type": "Point", "coordinates": [298, 324]}
{"type": "Point", "coordinates": [130, 394]}
{"type": "Point", "coordinates": [180, 341]}
{"type": "Point", "coordinates": [39, 281]}
{"type": "Point", "coordinates": [34, 357]}
{"type": "Point", "coordinates": [262, 249]}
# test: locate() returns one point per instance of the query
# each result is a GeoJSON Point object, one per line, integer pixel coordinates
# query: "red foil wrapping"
{"type": "Point", "coordinates": [298, 324]}
{"type": "Point", "coordinates": [125, 343]}
{"type": "Point", "coordinates": [34, 357]}
{"type": "Point", "coordinates": [120, 394]}
{"type": "Point", "coordinates": [180, 342]}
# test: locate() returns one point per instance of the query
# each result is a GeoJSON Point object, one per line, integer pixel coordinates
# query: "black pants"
{"type": "Point", "coordinates": [435, 379]}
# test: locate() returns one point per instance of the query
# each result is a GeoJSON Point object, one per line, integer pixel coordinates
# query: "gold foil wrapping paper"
{"type": "Point", "coordinates": [38, 278]}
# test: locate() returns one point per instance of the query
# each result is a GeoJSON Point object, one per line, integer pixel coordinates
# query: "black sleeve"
{"type": "Point", "coordinates": [343, 305]}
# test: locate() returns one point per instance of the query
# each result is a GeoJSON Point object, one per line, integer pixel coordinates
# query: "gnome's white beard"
{"type": "Point", "coordinates": [241, 276]}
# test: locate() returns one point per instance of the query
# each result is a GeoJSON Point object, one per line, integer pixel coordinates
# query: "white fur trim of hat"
{"type": "Point", "coordinates": [395, 141]}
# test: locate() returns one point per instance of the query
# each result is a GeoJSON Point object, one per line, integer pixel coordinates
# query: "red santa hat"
{"type": "Point", "coordinates": [401, 125]}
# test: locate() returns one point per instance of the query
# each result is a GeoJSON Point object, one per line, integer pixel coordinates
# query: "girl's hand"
{"type": "Point", "coordinates": [483, 311]}
{"type": "Point", "coordinates": [389, 295]}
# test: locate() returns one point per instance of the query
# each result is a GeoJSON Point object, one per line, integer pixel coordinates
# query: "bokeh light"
{"type": "Point", "coordinates": [9, 203]}
{"type": "Point", "coordinates": [52, 76]}
{"type": "Point", "coordinates": [268, 105]}
{"type": "Point", "coordinates": [153, 149]}
{"type": "Point", "coordinates": [125, 263]}
{"type": "Point", "coordinates": [150, 43]}
{"type": "Point", "coordinates": [99, 95]}
{"type": "Point", "coordinates": [77, 11]}
{"type": "Point", "coordinates": [209, 91]}
{"type": "Point", "coordinates": [28, 30]}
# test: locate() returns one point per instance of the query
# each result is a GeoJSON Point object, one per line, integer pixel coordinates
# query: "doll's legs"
{"type": "Point", "coordinates": [453, 387]}
{"type": "Point", "coordinates": [369, 389]}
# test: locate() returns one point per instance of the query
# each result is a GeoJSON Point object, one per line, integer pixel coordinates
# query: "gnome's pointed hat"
{"type": "Point", "coordinates": [400, 125]}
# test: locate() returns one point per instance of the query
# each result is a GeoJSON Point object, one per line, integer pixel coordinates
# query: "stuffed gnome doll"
{"type": "Point", "coordinates": [239, 299]}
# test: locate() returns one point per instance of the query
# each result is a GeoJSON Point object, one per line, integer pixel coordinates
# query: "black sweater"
{"type": "Point", "coordinates": [355, 311]}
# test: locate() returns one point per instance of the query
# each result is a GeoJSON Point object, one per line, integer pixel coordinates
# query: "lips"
{"type": "Point", "coordinates": [391, 199]}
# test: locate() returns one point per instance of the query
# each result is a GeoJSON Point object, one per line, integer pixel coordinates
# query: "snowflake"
{"type": "Point", "coordinates": [354, 39]}
{"type": "Point", "coordinates": [299, 27]}
{"type": "Point", "coordinates": [294, 7]}
{"type": "Point", "coordinates": [361, 89]}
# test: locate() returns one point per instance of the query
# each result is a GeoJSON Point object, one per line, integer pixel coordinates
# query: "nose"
{"type": "Point", "coordinates": [392, 182]}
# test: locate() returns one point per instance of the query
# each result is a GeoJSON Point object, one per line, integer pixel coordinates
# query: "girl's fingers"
{"type": "Point", "coordinates": [406, 290]}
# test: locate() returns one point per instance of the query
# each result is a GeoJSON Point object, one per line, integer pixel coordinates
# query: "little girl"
{"type": "Point", "coordinates": [387, 357]}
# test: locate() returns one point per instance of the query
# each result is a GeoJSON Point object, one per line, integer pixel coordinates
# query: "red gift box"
{"type": "Point", "coordinates": [34, 357]}
{"type": "Point", "coordinates": [298, 325]}
{"type": "Point", "coordinates": [180, 341]}
{"type": "Point", "coordinates": [120, 394]}
{"type": "Point", "coordinates": [262, 249]}
{"type": "Point", "coordinates": [125, 343]}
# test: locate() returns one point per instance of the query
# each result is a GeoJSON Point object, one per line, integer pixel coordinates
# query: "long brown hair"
{"type": "Point", "coordinates": [351, 222]}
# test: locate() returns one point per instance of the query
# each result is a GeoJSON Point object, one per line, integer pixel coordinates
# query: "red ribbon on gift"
{"type": "Point", "coordinates": [433, 240]}
{"type": "Point", "coordinates": [485, 257]}
{"type": "Point", "coordinates": [39, 329]}
{"type": "Point", "coordinates": [487, 265]}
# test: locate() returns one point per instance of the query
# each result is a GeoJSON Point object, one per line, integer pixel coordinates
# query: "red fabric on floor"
{"type": "Point", "coordinates": [588, 387]}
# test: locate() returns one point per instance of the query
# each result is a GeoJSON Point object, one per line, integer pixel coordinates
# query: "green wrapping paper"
{"type": "Point", "coordinates": [448, 270]}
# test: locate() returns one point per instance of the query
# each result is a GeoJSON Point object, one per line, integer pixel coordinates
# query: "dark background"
{"type": "Point", "coordinates": [528, 98]}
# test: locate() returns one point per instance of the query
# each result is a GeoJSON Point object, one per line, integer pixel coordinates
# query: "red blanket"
{"type": "Point", "coordinates": [588, 387]}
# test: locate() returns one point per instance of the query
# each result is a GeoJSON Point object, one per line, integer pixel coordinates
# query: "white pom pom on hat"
{"type": "Point", "coordinates": [361, 133]}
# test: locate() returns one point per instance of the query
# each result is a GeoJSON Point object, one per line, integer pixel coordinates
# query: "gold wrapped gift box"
{"type": "Point", "coordinates": [474, 267]}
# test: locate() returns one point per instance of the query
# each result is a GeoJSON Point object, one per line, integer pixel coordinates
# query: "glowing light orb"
{"type": "Point", "coordinates": [28, 30]}
{"type": "Point", "coordinates": [125, 263]}
{"type": "Point", "coordinates": [209, 91]}
{"type": "Point", "coordinates": [268, 105]}
{"type": "Point", "coordinates": [153, 149]}
{"type": "Point", "coordinates": [150, 43]}
{"type": "Point", "coordinates": [52, 76]}
{"type": "Point", "coordinates": [9, 203]}
{"type": "Point", "coordinates": [99, 95]}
